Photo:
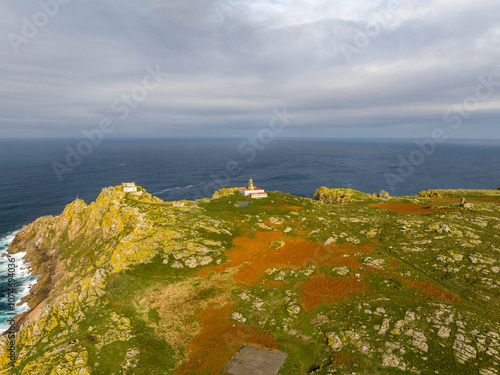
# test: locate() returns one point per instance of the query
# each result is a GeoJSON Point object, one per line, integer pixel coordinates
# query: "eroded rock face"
{"type": "Point", "coordinates": [384, 195]}
{"type": "Point", "coordinates": [75, 254]}
{"type": "Point", "coordinates": [50, 241]}
{"type": "Point", "coordinates": [89, 252]}
{"type": "Point", "coordinates": [51, 245]}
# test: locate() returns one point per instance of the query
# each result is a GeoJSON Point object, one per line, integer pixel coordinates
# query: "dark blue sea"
{"type": "Point", "coordinates": [40, 177]}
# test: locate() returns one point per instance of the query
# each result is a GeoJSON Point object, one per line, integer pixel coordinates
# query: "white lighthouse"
{"type": "Point", "coordinates": [252, 191]}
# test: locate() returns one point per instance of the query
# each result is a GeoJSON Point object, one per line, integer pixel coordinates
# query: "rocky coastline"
{"type": "Point", "coordinates": [128, 273]}
{"type": "Point", "coordinates": [44, 259]}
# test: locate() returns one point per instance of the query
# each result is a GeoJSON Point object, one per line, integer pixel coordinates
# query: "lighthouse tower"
{"type": "Point", "coordinates": [252, 191]}
{"type": "Point", "coordinates": [250, 186]}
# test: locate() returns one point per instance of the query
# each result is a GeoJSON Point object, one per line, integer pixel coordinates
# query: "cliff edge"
{"type": "Point", "coordinates": [130, 284]}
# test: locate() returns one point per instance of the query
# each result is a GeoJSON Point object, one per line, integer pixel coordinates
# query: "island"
{"type": "Point", "coordinates": [345, 283]}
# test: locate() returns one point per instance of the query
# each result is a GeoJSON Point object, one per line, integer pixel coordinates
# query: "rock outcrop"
{"type": "Point", "coordinates": [384, 195]}
{"type": "Point", "coordinates": [465, 205]}
{"type": "Point", "coordinates": [131, 284]}
{"type": "Point", "coordinates": [337, 196]}
{"type": "Point", "coordinates": [224, 192]}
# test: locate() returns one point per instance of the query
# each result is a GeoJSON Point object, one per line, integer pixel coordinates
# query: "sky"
{"type": "Point", "coordinates": [237, 68]}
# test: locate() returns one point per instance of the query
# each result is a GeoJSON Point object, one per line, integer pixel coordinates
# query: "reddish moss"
{"type": "Point", "coordinates": [322, 289]}
{"type": "Point", "coordinates": [407, 208]}
{"type": "Point", "coordinates": [394, 263]}
{"type": "Point", "coordinates": [487, 200]}
{"type": "Point", "coordinates": [448, 200]}
{"type": "Point", "coordinates": [342, 358]}
{"type": "Point", "coordinates": [428, 288]}
{"type": "Point", "coordinates": [433, 291]}
{"type": "Point", "coordinates": [268, 223]}
{"type": "Point", "coordinates": [344, 255]}
{"type": "Point", "coordinates": [219, 340]}
{"type": "Point", "coordinates": [296, 253]}
{"type": "Point", "coordinates": [274, 283]}
{"type": "Point", "coordinates": [252, 256]}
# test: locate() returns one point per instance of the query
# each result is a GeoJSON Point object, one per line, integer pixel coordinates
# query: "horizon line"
{"type": "Point", "coordinates": [151, 138]}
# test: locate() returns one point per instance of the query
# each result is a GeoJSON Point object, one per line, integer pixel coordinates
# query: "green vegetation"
{"type": "Point", "coordinates": [225, 192]}
{"type": "Point", "coordinates": [337, 196]}
{"type": "Point", "coordinates": [429, 194]}
{"type": "Point", "coordinates": [135, 285]}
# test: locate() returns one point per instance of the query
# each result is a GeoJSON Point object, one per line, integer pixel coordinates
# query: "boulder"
{"type": "Point", "coordinates": [384, 195]}
{"type": "Point", "coordinates": [465, 204]}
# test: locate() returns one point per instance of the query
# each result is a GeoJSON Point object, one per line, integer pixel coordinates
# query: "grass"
{"type": "Point", "coordinates": [280, 282]}
{"type": "Point", "coordinates": [156, 356]}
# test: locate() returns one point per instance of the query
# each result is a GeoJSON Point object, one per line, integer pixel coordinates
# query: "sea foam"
{"type": "Point", "coordinates": [22, 277]}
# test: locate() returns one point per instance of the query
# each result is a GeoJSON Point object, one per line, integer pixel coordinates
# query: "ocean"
{"type": "Point", "coordinates": [40, 177]}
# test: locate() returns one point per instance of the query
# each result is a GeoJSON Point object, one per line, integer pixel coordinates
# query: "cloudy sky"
{"type": "Point", "coordinates": [170, 68]}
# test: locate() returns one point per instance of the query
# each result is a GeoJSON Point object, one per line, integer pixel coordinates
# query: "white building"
{"type": "Point", "coordinates": [252, 191]}
{"type": "Point", "coordinates": [129, 187]}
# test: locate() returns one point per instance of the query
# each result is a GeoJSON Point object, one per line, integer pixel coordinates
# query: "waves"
{"type": "Point", "coordinates": [165, 191]}
{"type": "Point", "coordinates": [22, 278]}
{"type": "Point", "coordinates": [5, 241]}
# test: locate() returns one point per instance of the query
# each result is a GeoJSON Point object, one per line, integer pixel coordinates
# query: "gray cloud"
{"type": "Point", "coordinates": [344, 68]}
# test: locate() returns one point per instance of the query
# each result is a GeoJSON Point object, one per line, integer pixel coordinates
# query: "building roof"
{"type": "Point", "coordinates": [254, 189]}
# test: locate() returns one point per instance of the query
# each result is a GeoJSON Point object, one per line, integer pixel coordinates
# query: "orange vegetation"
{"type": "Point", "coordinates": [433, 291]}
{"type": "Point", "coordinates": [428, 288]}
{"type": "Point", "coordinates": [274, 283]}
{"type": "Point", "coordinates": [252, 256]}
{"type": "Point", "coordinates": [341, 358]}
{"type": "Point", "coordinates": [350, 248]}
{"type": "Point", "coordinates": [443, 200]}
{"type": "Point", "coordinates": [407, 208]}
{"type": "Point", "coordinates": [447, 200]}
{"type": "Point", "coordinates": [116, 304]}
{"type": "Point", "coordinates": [394, 263]}
{"type": "Point", "coordinates": [323, 289]}
{"type": "Point", "coordinates": [296, 253]}
{"type": "Point", "coordinates": [490, 200]}
{"type": "Point", "coordinates": [218, 341]}
{"type": "Point", "coordinates": [344, 255]}
{"type": "Point", "coordinates": [268, 223]}
{"type": "Point", "coordinates": [242, 223]}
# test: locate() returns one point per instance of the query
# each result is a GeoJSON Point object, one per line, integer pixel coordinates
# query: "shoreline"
{"type": "Point", "coordinates": [23, 277]}
{"type": "Point", "coordinates": [35, 268]}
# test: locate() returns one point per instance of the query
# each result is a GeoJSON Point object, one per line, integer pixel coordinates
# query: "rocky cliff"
{"type": "Point", "coordinates": [130, 284]}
